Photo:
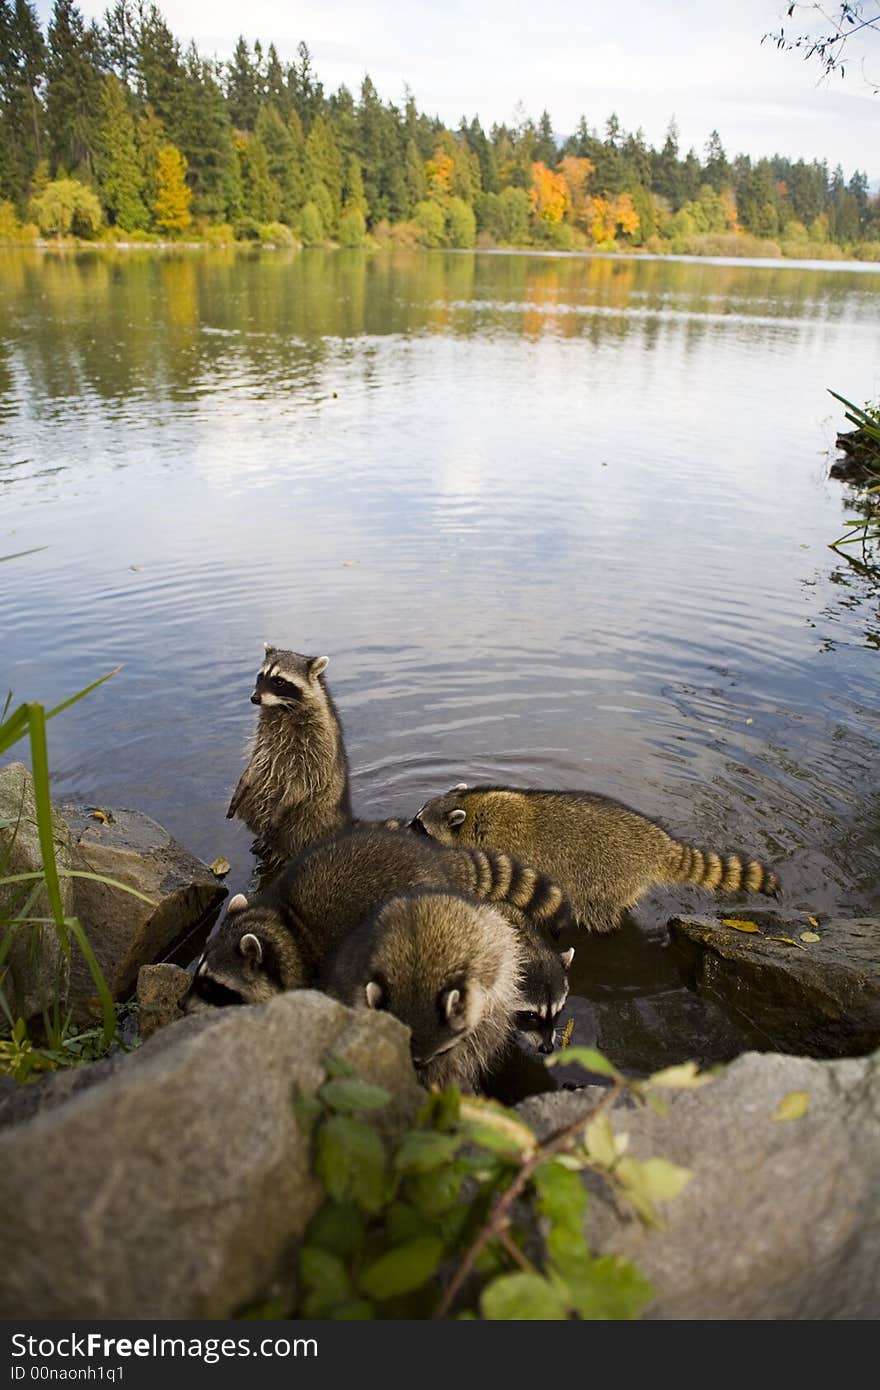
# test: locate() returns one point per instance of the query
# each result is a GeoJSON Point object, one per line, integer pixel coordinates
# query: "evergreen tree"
{"type": "Point", "coordinates": [261, 194]}
{"type": "Point", "coordinates": [323, 169]}
{"type": "Point", "coordinates": [161, 78]}
{"type": "Point", "coordinates": [545, 143]}
{"type": "Point", "coordinates": [717, 170]}
{"type": "Point", "coordinates": [150, 136]}
{"type": "Point", "coordinates": [306, 92]}
{"type": "Point", "coordinates": [173, 194]}
{"type": "Point", "coordinates": [121, 40]}
{"type": "Point", "coordinates": [277, 91]}
{"type": "Point", "coordinates": [283, 147]}
{"type": "Point", "coordinates": [73, 89]}
{"type": "Point", "coordinates": [243, 87]}
{"type": "Point", "coordinates": [416, 184]}
{"type": "Point", "coordinates": [204, 136]}
{"type": "Point", "coordinates": [666, 178]}
{"type": "Point", "coordinates": [22, 64]}
{"type": "Point", "coordinates": [117, 166]}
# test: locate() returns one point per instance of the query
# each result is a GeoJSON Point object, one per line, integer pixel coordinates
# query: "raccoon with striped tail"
{"type": "Point", "coordinates": [295, 788]}
{"type": "Point", "coordinates": [282, 939]}
{"type": "Point", "coordinates": [448, 967]}
{"type": "Point", "coordinates": [604, 855]}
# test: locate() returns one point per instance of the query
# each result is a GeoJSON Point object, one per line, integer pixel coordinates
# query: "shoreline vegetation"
{"type": "Point", "coordinates": [116, 134]}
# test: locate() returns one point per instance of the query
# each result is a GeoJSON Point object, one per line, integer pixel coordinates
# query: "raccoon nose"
{"type": "Point", "coordinates": [548, 1047]}
{"type": "Point", "coordinates": [255, 698]}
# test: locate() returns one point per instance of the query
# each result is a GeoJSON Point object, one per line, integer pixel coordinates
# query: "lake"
{"type": "Point", "coordinates": [557, 521]}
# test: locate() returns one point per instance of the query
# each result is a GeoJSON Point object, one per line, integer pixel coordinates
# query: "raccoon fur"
{"type": "Point", "coordinates": [295, 788]}
{"type": "Point", "coordinates": [282, 939]}
{"type": "Point", "coordinates": [603, 854]}
{"type": "Point", "coordinates": [448, 967]}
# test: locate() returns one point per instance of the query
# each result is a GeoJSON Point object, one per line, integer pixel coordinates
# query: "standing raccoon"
{"type": "Point", "coordinates": [449, 968]}
{"type": "Point", "coordinates": [295, 788]}
{"type": "Point", "coordinates": [283, 938]}
{"type": "Point", "coordinates": [603, 854]}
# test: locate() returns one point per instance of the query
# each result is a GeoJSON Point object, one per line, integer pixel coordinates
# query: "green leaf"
{"type": "Point", "coordinates": [607, 1288]}
{"type": "Point", "coordinates": [586, 1057]}
{"type": "Point", "coordinates": [338, 1228]}
{"type": "Point", "coordinates": [339, 1066]}
{"type": "Point", "coordinates": [403, 1223]}
{"type": "Point", "coordinates": [350, 1096]}
{"type": "Point", "coordinates": [422, 1150]}
{"type": "Point", "coordinates": [436, 1192]}
{"type": "Point", "coordinates": [520, 1297]}
{"type": "Point", "coordinates": [326, 1280]}
{"type": "Point", "coordinates": [351, 1162]}
{"type": "Point", "coordinates": [599, 1141]}
{"type": "Point", "coordinates": [490, 1125]}
{"type": "Point", "coordinates": [359, 1310]}
{"type": "Point", "coordinates": [73, 926]}
{"type": "Point", "coordinates": [308, 1111]}
{"type": "Point", "coordinates": [651, 1180]}
{"type": "Point", "coordinates": [561, 1195]}
{"type": "Point", "coordinates": [403, 1269]}
{"type": "Point", "coordinates": [441, 1109]}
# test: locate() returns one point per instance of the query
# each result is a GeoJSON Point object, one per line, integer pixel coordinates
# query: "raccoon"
{"type": "Point", "coordinates": [335, 885]}
{"type": "Point", "coordinates": [544, 991]}
{"type": "Point", "coordinates": [603, 854]}
{"type": "Point", "coordinates": [448, 967]}
{"type": "Point", "coordinates": [295, 788]}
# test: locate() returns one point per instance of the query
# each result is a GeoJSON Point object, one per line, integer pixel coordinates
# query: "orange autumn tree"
{"type": "Point", "coordinates": [576, 173]}
{"type": "Point", "coordinates": [548, 195]}
{"type": "Point", "coordinates": [438, 173]}
{"type": "Point", "coordinates": [173, 195]}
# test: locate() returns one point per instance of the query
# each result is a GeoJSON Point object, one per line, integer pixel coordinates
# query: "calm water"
{"type": "Point", "coordinates": [556, 521]}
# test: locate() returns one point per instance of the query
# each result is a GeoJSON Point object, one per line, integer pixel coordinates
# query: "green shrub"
{"type": "Point", "coordinates": [312, 231]}
{"type": "Point", "coordinates": [352, 228]}
{"type": "Point", "coordinates": [428, 218]}
{"type": "Point", "coordinates": [67, 207]}
{"type": "Point", "coordinates": [276, 234]}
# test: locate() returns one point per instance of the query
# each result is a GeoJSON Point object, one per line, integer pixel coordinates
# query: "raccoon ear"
{"type": "Point", "coordinates": [237, 904]}
{"type": "Point", "coordinates": [375, 994]}
{"type": "Point", "coordinates": [567, 957]}
{"type": "Point", "coordinates": [450, 1002]}
{"type": "Point", "coordinates": [317, 665]}
{"type": "Point", "coordinates": [250, 948]}
{"type": "Point", "coordinates": [459, 787]}
{"type": "Point", "coordinates": [456, 817]}
{"type": "Point", "coordinates": [268, 648]}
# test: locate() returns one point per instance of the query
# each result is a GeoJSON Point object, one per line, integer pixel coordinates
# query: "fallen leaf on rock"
{"type": "Point", "coordinates": [810, 936]}
{"type": "Point", "coordinates": [749, 721]}
{"type": "Point", "coordinates": [739, 924]}
{"type": "Point", "coordinates": [793, 1106]}
{"type": "Point", "coordinates": [105, 817]}
{"type": "Point", "coordinates": [787, 941]}
{"type": "Point", "coordinates": [813, 921]}
{"type": "Point", "coordinates": [220, 866]}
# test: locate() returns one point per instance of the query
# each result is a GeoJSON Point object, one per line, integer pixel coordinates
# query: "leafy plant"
{"type": "Point", "coordinates": [468, 1213]}
{"type": "Point", "coordinates": [864, 529]}
{"type": "Point", "coordinates": [18, 1056]}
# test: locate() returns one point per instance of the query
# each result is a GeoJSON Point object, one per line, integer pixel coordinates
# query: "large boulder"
{"type": "Point", "coordinates": [124, 931]}
{"type": "Point", "coordinates": [176, 1183]}
{"type": "Point", "coordinates": [160, 988]}
{"type": "Point", "coordinates": [35, 972]}
{"type": "Point", "coordinates": [781, 1218]}
{"type": "Point", "coordinates": [820, 997]}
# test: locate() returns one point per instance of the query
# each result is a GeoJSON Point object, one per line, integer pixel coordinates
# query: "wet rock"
{"type": "Point", "coordinates": [37, 970]}
{"type": "Point", "coordinates": [125, 932]}
{"type": "Point", "coordinates": [780, 1218]}
{"type": "Point", "coordinates": [822, 1000]}
{"type": "Point", "coordinates": [160, 989]}
{"type": "Point", "coordinates": [178, 1184]}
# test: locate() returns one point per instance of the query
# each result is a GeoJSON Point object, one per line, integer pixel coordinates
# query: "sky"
{"type": "Point", "coordinates": [701, 61]}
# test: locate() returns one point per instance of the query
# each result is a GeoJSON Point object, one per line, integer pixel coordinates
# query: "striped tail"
{"type": "Point", "coordinates": [498, 878]}
{"type": "Point", "coordinates": [720, 873]}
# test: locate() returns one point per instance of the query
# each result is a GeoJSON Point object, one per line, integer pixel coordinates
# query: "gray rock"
{"type": "Point", "coordinates": [781, 1218]}
{"type": "Point", "coordinates": [160, 989]}
{"type": "Point", "coordinates": [125, 932]}
{"type": "Point", "coordinates": [822, 1000]}
{"type": "Point", "coordinates": [178, 1185]}
{"type": "Point", "coordinates": [37, 970]}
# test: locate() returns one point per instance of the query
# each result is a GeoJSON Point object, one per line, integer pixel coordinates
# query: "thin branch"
{"type": "Point", "coordinates": [496, 1222]}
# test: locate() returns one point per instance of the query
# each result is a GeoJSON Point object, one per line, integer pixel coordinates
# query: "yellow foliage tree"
{"type": "Point", "coordinates": [607, 216]}
{"type": "Point", "coordinates": [548, 195]}
{"type": "Point", "coordinates": [173, 195]}
{"type": "Point", "coordinates": [438, 172]}
{"type": "Point", "coordinates": [576, 173]}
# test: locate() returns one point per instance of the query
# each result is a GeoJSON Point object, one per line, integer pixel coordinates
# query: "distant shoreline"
{"type": "Point", "coordinates": [77, 247]}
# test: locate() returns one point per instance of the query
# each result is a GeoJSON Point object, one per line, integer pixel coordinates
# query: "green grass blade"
{"type": "Point", "coordinates": [34, 550]}
{"type": "Point", "coordinates": [81, 873]}
{"type": "Point", "coordinates": [13, 728]}
{"type": "Point", "coordinates": [40, 765]}
{"type": "Point", "coordinates": [50, 714]}
{"type": "Point", "coordinates": [73, 924]}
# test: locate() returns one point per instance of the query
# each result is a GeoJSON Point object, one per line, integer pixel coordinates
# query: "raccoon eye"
{"type": "Point", "coordinates": [528, 1020]}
